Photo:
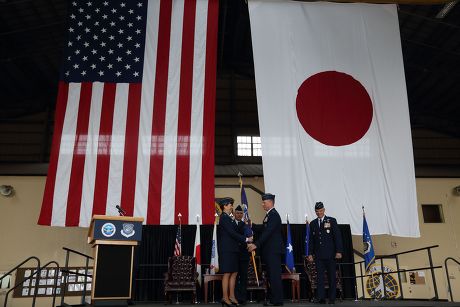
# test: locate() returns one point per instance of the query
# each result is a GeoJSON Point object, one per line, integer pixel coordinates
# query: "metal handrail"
{"type": "Point", "coordinates": [36, 278]}
{"type": "Point", "coordinates": [447, 275]}
{"type": "Point", "coordinates": [37, 273]}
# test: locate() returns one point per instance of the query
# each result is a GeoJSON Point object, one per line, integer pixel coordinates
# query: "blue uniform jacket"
{"type": "Point", "coordinates": [229, 237]}
{"type": "Point", "coordinates": [271, 239]}
{"type": "Point", "coordinates": [325, 241]}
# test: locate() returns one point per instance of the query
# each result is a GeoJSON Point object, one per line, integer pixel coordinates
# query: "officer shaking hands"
{"type": "Point", "coordinates": [325, 244]}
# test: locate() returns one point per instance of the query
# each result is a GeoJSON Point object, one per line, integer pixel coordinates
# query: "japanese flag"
{"type": "Point", "coordinates": [333, 112]}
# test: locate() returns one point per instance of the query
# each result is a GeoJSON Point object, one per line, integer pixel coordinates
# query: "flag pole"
{"type": "Point", "coordinates": [285, 265]}
{"type": "Point", "coordinates": [180, 232]}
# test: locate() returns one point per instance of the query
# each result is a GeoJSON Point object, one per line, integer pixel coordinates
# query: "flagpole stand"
{"type": "Point", "coordinates": [356, 293]}
{"type": "Point", "coordinates": [213, 294]}
{"type": "Point", "coordinates": [177, 298]}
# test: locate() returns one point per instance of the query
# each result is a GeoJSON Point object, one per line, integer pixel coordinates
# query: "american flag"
{"type": "Point", "coordinates": [178, 244]}
{"type": "Point", "coordinates": [134, 122]}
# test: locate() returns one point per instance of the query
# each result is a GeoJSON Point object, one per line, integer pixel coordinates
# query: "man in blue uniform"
{"type": "Point", "coordinates": [326, 245]}
{"type": "Point", "coordinates": [243, 263]}
{"type": "Point", "coordinates": [270, 243]}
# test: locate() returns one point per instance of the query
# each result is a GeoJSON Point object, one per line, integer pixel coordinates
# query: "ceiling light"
{"type": "Point", "coordinates": [446, 9]}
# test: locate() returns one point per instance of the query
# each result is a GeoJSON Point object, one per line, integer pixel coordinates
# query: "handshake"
{"type": "Point", "coordinates": [251, 246]}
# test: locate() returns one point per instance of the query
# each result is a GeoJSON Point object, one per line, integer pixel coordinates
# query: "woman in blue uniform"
{"type": "Point", "coordinates": [228, 241]}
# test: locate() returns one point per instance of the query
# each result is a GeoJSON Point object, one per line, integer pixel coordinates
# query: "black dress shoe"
{"type": "Point", "coordinates": [317, 301]}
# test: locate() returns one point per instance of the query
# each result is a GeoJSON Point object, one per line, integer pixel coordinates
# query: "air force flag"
{"type": "Point", "coordinates": [369, 255]}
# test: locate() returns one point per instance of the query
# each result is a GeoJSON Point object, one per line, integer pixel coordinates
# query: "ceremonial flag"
{"type": "Point", "coordinates": [289, 250]}
{"type": "Point", "coordinates": [178, 244]}
{"type": "Point", "coordinates": [307, 237]}
{"type": "Point", "coordinates": [214, 266]}
{"type": "Point", "coordinates": [197, 251]}
{"type": "Point", "coordinates": [333, 111]}
{"type": "Point", "coordinates": [134, 121]}
{"type": "Point", "coordinates": [369, 255]}
{"type": "Point", "coordinates": [244, 201]}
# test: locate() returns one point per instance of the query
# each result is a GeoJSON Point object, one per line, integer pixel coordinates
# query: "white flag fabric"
{"type": "Point", "coordinates": [333, 112]}
{"type": "Point", "coordinates": [214, 266]}
{"type": "Point", "coordinates": [135, 113]}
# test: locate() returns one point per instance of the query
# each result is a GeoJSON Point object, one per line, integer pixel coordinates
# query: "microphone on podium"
{"type": "Point", "coordinates": [121, 211]}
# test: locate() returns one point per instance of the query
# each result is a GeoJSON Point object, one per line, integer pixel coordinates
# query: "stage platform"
{"type": "Point", "coordinates": [344, 303]}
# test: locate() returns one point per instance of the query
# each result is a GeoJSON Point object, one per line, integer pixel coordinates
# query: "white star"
{"type": "Point", "coordinates": [139, 4]}
{"type": "Point", "coordinates": [72, 16]}
{"type": "Point", "coordinates": [104, 16]}
{"type": "Point", "coordinates": [103, 30]}
{"type": "Point", "coordinates": [289, 248]}
{"type": "Point", "coordinates": [128, 52]}
{"type": "Point", "coordinates": [70, 29]}
{"type": "Point", "coordinates": [129, 38]}
{"type": "Point", "coordinates": [127, 66]}
{"type": "Point", "coordinates": [137, 45]}
{"type": "Point", "coordinates": [80, 23]}
{"type": "Point", "coordinates": [119, 59]}
{"type": "Point", "coordinates": [93, 66]}
{"type": "Point", "coordinates": [75, 66]}
{"type": "Point", "coordinates": [78, 37]}
{"type": "Point", "coordinates": [81, 10]}
{"type": "Point", "coordinates": [138, 31]}
{"type": "Point", "coordinates": [111, 37]}
{"type": "Point", "coordinates": [122, 17]}
{"type": "Point", "coordinates": [131, 11]}
{"type": "Point", "coordinates": [94, 51]}
{"type": "Point", "coordinates": [69, 44]}
{"type": "Point", "coordinates": [88, 16]}
{"type": "Point", "coordinates": [86, 44]}
{"type": "Point", "coordinates": [67, 73]}
{"type": "Point", "coordinates": [85, 58]}
{"type": "Point", "coordinates": [130, 25]}
{"type": "Point", "coordinates": [102, 58]}
{"type": "Point", "coordinates": [68, 58]}
{"type": "Point", "coordinates": [120, 45]}
{"type": "Point", "coordinates": [113, 10]}
{"type": "Point", "coordinates": [97, 10]}
{"type": "Point", "coordinates": [95, 37]}
{"type": "Point", "coordinates": [120, 31]}
{"type": "Point", "coordinates": [112, 23]}
{"type": "Point", "coordinates": [83, 73]}
{"type": "Point", "coordinates": [89, 3]}
{"type": "Point", "coordinates": [122, 4]}
{"type": "Point", "coordinates": [102, 44]}
{"type": "Point", "coordinates": [77, 51]}
{"type": "Point", "coordinates": [101, 73]}
{"type": "Point", "coordinates": [74, 3]}
{"type": "Point", "coordinates": [105, 3]}
{"type": "Point", "coordinates": [109, 66]}
{"type": "Point", "coordinates": [96, 23]}
{"type": "Point", "coordinates": [110, 51]}
{"type": "Point", "coordinates": [87, 30]}
{"type": "Point", "coordinates": [136, 59]}
{"type": "Point", "coordinates": [136, 74]}
{"type": "Point", "coordinates": [118, 74]}
{"type": "Point", "coordinates": [138, 17]}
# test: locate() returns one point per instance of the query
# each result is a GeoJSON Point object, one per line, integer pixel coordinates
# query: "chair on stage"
{"type": "Point", "coordinates": [181, 276]}
{"type": "Point", "coordinates": [252, 280]}
{"type": "Point", "coordinates": [310, 271]}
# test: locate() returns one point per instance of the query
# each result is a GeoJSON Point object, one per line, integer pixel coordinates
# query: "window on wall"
{"type": "Point", "coordinates": [249, 146]}
{"type": "Point", "coordinates": [432, 214]}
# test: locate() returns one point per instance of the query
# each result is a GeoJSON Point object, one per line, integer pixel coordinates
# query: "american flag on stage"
{"type": "Point", "coordinates": [178, 244]}
{"type": "Point", "coordinates": [134, 122]}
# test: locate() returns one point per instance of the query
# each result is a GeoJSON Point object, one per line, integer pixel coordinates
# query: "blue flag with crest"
{"type": "Point", "coordinates": [369, 255]}
{"type": "Point", "coordinates": [289, 250]}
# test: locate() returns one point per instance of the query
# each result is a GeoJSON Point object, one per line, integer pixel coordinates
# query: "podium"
{"type": "Point", "coordinates": [114, 239]}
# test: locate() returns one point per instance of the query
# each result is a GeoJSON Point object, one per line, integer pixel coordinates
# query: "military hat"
{"type": "Point", "coordinates": [319, 205]}
{"type": "Point", "coordinates": [238, 208]}
{"type": "Point", "coordinates": [268, 196]}
{"type": "Point", "coordinates": [225, 201]}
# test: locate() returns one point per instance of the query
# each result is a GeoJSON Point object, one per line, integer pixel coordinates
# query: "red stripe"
{"type": "Point", "coordinates": [61, 106]}
{"type": "Point", "coordinates": [101, 181]}
{"type": "Point", "coordinates": [207, 176]}
{"type": "Point", "coordinates": [184, 116]}
{"type": "Point", "coordinates": [78, 160]}
{"type": "Point", "coordinates": [159, 113]}
{"type": "Point", "coordinates": [131, 146]}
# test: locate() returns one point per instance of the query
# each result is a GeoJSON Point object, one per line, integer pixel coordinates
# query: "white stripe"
{"type": "Point", "coordinates": [117, 149]}
{"type": "Point", "coordinates": [89, 173]}
{"type": "Point", "coordinates": [146, 112]}
{"type": "Point", "coordinates": [196, 131]}
{"type": "Point", "coordinates": [168, 186]}
{"type": "Point", "coordinates": [64, 165]}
